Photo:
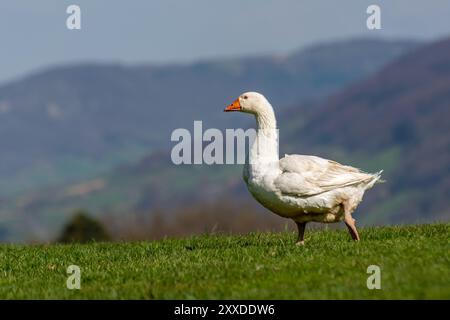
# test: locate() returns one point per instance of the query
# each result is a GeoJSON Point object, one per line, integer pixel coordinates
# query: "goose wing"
{"type": "Point", "coordinates": [310, 175]}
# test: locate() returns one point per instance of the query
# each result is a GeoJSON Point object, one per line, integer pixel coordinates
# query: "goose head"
{"type": "Point", "coordinates": [250, 102]}
{"type": "Point", "coordinates": [255, 103]}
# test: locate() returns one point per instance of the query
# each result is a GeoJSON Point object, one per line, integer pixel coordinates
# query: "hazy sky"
{"type": "Point", "coordinates": [33, 34]}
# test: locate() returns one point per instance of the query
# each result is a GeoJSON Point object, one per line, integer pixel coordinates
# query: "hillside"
{"type": "Point", "coordinates": [70, 123]}
{"type": "Point", "coordinates": [413, 260]}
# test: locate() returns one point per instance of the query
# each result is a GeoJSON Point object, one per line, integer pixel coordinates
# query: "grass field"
{"type": "Point", "coordinates": [414, 262]}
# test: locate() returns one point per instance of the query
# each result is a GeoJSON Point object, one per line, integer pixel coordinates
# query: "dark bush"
{"type": "Point", "coordinates": [82, 228]}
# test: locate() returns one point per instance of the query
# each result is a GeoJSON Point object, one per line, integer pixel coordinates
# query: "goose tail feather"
{"type": "Point", "coordinates": [375, 178]}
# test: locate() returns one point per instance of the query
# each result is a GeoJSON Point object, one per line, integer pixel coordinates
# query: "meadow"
{"type": "Point", "coordinates": [414, 263]}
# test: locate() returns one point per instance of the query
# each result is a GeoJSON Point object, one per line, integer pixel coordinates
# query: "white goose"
{"type": "Point", "coordinates": [303, 188]}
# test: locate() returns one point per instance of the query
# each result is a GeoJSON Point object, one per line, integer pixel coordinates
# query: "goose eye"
{"type": "Point", "coordinates": [245, 97]}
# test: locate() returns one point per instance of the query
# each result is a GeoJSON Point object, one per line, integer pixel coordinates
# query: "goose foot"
{"type": "Point", "coordinates": [301, 233]}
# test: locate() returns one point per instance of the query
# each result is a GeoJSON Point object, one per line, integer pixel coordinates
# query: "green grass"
{"type": "Point", "coordinates": [414, 263]}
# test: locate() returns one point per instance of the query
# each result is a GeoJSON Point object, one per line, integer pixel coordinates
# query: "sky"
{"type": "Point", "coordinates": [34, 36]}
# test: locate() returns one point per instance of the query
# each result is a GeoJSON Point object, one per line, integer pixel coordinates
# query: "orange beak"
{"type": "Point", "coordinates": [235, 106]}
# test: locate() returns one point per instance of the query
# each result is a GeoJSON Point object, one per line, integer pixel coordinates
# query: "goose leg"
{"type": "Point", "coordinates": [350, 222]}
{"type": "Point", "coordinates": [351, 225]}
{"type": "Point", "coordinates": [301, 233]}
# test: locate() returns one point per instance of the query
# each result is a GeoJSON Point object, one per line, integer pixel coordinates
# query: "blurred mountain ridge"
{"type": "Point", "coordinates": [72, 122]}
{"type": "Point", "coordinates": [332, 100]}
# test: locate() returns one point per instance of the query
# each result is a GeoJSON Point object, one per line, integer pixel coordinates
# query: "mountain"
{"type": "Point", "coordinates": [74, 122]}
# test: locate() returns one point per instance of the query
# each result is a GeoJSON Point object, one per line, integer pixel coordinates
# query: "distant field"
{"type": "Point", "coordinates": [414, 262]}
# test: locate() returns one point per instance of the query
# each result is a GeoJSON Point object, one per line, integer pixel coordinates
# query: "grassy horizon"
{"type": "Point", "coordinates": [414, 262]}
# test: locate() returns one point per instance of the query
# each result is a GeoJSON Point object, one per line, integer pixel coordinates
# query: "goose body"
{"type": "Point", "coordinates": [300, 187]}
